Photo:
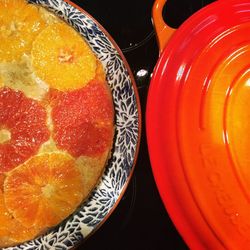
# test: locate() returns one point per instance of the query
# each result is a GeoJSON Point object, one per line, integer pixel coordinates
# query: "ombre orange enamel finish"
{"type": "Point", "coordinates": [198, 126]}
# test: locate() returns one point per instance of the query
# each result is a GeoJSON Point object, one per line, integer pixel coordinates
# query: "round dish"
{"type": "Point", "coordinates": [102, 201]}
{"type": "Point", "coordinates": [197, 125]}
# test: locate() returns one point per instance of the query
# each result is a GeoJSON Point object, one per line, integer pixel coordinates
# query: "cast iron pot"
{"type": "Point", "coordinates": [198, 122]}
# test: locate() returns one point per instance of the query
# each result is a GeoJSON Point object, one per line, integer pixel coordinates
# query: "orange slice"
{"type": "Point", "coordinates": [100, 73]}
{"type": "Point", "coordinates": [11, 231]}
{"type": "Point", "coordinates": [44, 190]}
{"type": "Point", "coordinates": [23, 128]}
{"type": "Point", "coordinates": [62, 58]}
{"type": "Point", "coordinates": [5, 218]}
{"type": "Point", "coordinates": [20, 23]}
{"type": "Point", "coordinates": [83, 119]}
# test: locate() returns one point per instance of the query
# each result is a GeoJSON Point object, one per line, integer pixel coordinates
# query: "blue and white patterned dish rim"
{"type": "Point", "coordinates": [114, 181]}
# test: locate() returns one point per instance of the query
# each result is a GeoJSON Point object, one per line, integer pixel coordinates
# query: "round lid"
{"type": "Point", "coordinates": [198, 123]}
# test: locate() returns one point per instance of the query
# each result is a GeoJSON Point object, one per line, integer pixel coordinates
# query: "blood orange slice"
{"type": "Point", "coordinates": [62, 58]}
{"type": "Point", "coordinates": [20, 23]}
{"type": "Point", "coordinates": [83, 120]}
{"type": "Point", "coordinates": [22, 128]}
{"type": "Point", "coordinates": [44, 190]}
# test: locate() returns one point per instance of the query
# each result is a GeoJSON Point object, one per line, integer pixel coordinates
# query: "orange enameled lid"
{"type": "Point", "coordinates": [198, 126]}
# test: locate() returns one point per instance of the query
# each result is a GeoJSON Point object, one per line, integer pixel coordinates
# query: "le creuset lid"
{"type": "Point", "coordinates": [198, 123]}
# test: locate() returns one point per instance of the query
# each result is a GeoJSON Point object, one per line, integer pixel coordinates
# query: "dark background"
{"type": "Point", "coordinates": [140, 221]}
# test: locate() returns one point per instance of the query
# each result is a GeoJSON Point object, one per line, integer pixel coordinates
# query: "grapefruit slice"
{"type": "Point", "coordinates": [83, 119]}
{"type": "Point", "coordinates": [22, 128]}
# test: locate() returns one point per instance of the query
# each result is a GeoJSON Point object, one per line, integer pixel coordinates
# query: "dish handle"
{"type": "Point", "coordinates": [162, 30]}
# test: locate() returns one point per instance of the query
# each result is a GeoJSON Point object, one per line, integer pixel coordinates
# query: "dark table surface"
{"type": "Point", "coordinates": [140, 221]}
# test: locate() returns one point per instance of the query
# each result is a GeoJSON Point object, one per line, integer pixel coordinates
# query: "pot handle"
{"type": "Point", "coordinates": [162, 30]}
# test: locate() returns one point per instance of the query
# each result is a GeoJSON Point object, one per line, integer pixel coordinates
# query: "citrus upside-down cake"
{"type": "Point", "coordinates": [56, 121]}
